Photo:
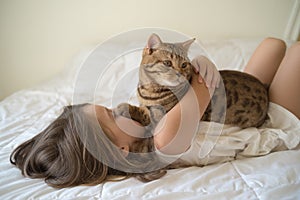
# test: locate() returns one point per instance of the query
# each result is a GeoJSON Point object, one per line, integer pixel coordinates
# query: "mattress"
{"type": "Point", "coordinates": [27, 112]}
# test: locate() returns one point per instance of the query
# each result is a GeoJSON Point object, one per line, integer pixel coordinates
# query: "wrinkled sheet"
{"type": "Point", "coordinates": [27, 112]}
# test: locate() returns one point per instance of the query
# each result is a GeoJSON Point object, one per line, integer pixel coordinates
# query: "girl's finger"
{"type": "Point", "coordinates": [209, 77]}
{"type": "Point", "coordinates": [195, 66]}
{"type": "Point", "coordinates": [200, 79]}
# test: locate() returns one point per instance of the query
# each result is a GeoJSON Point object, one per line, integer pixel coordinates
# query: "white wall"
{"type": "Point", "coordinates": [38, 37]}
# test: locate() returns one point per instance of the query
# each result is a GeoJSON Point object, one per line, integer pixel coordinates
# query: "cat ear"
{"type": "Point", "coordinates": [153, 41]}
{"type": "Point", "coordinates": [186, 45]}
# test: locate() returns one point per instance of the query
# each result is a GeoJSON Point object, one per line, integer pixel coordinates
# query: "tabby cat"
{"type": "Point", "coordinates": [164, 77]}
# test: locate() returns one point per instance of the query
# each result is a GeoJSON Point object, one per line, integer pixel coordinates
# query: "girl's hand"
{"type": "Point", "coordinates": [207, 71]}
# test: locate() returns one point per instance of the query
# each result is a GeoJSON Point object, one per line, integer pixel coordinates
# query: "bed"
{"type": "Point", "coordinates": [27, 112]}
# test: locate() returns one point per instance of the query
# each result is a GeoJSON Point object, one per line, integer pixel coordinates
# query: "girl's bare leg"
{"type": "Point", "coordinates": [285, 87]}
{"type": "Point", "coordinates": [266, 59]}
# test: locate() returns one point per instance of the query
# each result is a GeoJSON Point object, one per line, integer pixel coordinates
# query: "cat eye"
{"type": "Point", "coordinates": [167, 63]}
{"type": "Point", "coordinates": [184, 65]}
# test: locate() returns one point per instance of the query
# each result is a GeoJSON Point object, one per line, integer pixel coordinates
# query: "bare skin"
{"type": "Point", "coordinates": [266, 59]}
{"type": "Point", "coordinates": [280, 69]}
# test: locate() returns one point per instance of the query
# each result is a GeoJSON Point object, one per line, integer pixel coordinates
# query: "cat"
{"type": "Point", "coordinates": [161, 84]}
{"type": "Point", "coordinates": [164, 77]}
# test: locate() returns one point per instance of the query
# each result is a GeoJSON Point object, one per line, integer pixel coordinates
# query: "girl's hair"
{"type": "Point", "coordinates": [72, 151]}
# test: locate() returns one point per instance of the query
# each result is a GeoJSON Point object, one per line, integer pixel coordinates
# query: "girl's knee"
{"type": "Point", "coordinates": [295, 47]}
{"type": "Point", "coordinates": [276, 43]}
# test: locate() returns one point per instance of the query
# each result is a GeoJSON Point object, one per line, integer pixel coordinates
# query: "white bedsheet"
{"type": "Point", "coordinates": [27, 112]}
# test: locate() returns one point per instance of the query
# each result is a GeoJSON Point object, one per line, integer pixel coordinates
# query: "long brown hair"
{"type": "Point", "coordinates": [60, 154]}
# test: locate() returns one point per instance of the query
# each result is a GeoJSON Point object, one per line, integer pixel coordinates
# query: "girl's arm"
{"type": "Point", "coordinates": [176, 130]}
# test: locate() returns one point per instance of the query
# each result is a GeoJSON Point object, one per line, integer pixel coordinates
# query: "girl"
{"type": "Point", "coordinates": [86, 144]}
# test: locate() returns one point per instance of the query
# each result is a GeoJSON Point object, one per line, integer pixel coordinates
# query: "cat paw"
{"type": "Point", "coordinates": [122, 110]}
{"type": "Point", "coordinates": [156, 113]}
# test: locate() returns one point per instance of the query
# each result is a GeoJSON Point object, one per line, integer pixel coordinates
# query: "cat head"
{"type": "Point", "coordinates": [168, 63]}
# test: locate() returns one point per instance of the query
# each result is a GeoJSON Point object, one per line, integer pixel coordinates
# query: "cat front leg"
{"type": "Point", "coordinates": [139, 114]}
{"type": "Point", "coordinates": [156, 114]}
